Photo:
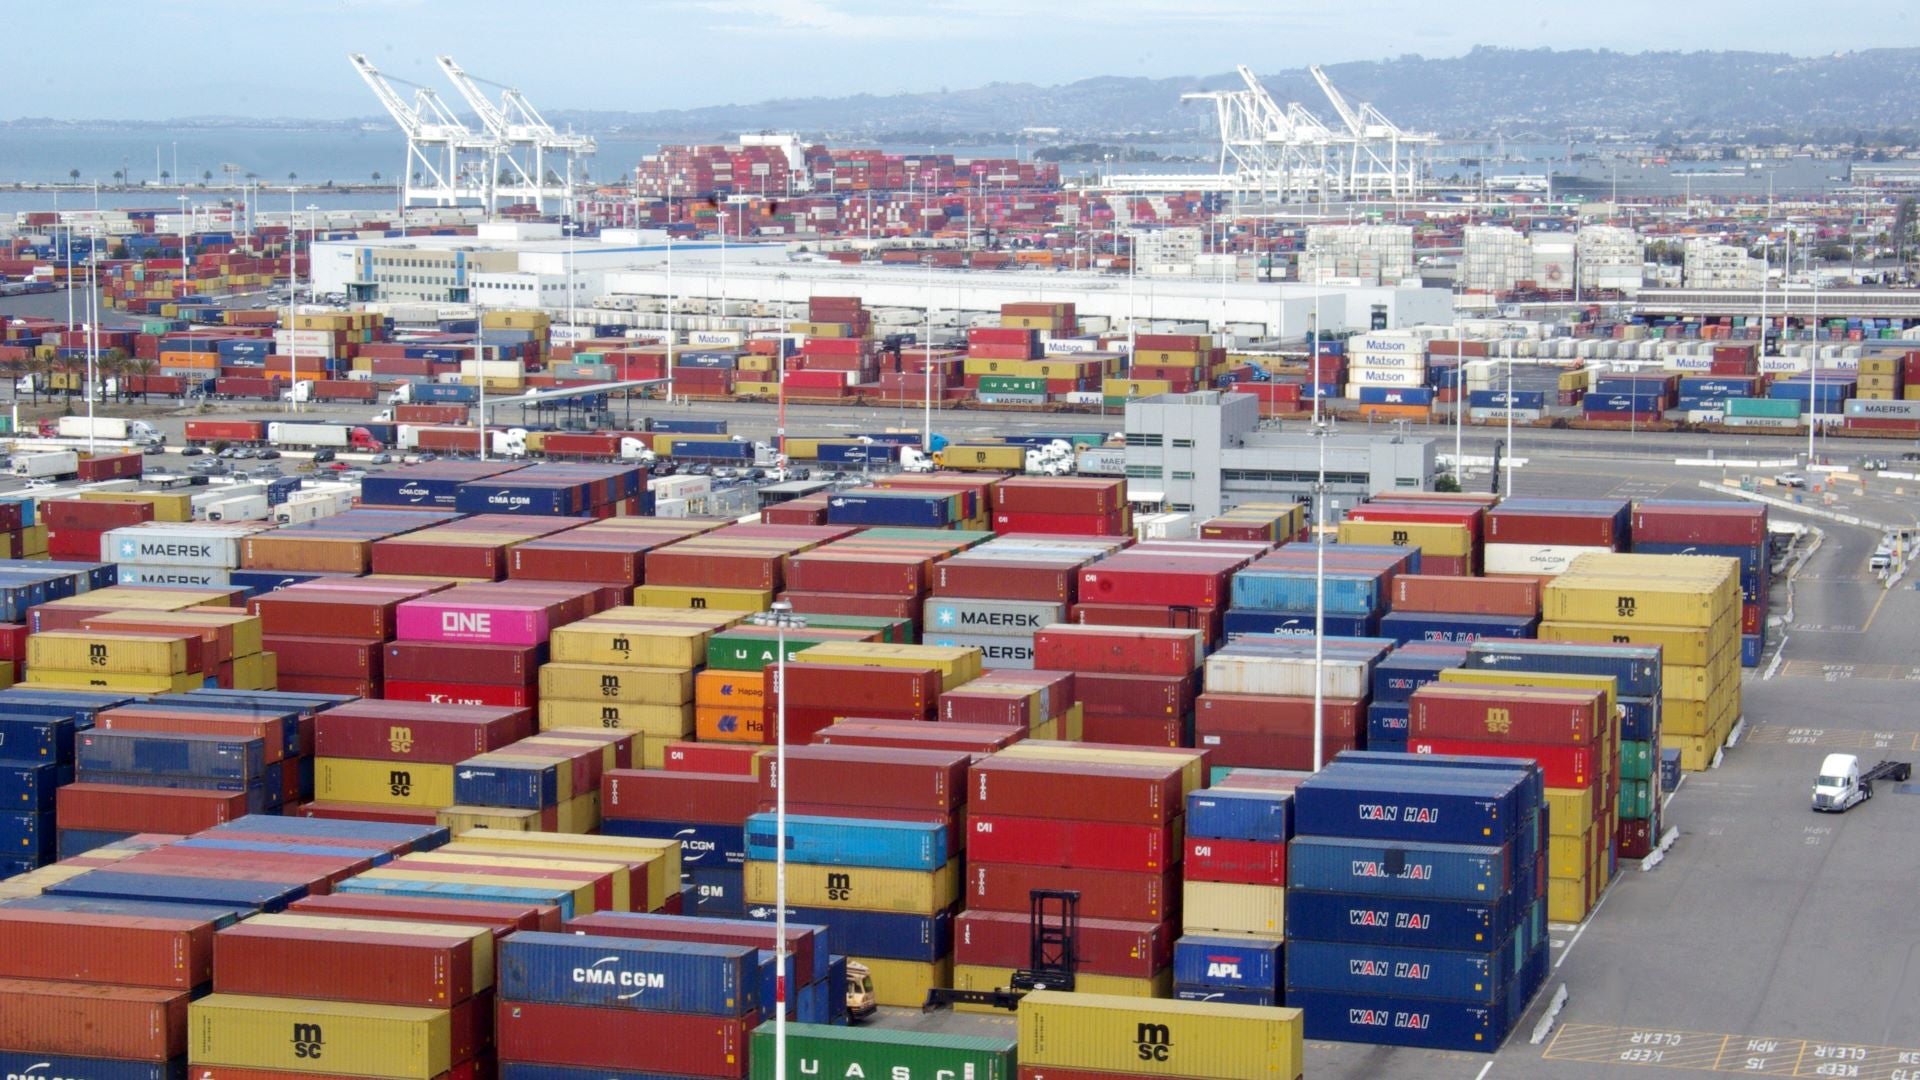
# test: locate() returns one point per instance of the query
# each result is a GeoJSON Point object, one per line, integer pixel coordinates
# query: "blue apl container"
{"type": "Point", "coordinates": [630, 973]}
{"type": "Point", "coordinates": [1421, 626]}
{"type": "Point", "coordinates": [1392, 1021]}
{"type": "Point", "coordinates": [38, 1066]}
{"type": "Point", "coordinates": [835, 841]}
{"type": "Point", "coordinates": [1422, 805]}
{"type": "Point", "coordinates": [268, 896]}
{"type": "Point", "coordinates": [886, 935]}
{"type": "Point", "coordinates": [1635, 668]}
{"type": "Point", "coordinates": [1441, 871]}
{"type": "Point", "coordinates": [1240, 621]}
{"type": "Point", "coordinates": [1396, 395]}
{"type": "Point", "coordinates": [524, 785]}
{"type": "Point", "coordinates": [29, 786]}
{"type": "Point", "coordinates": [1445, 974]}
{"type": "Point", "coordinates": [1229, 814]}
{"type": "Point", "coordinates": [1372, 919]}
{"type": "Point", "coordinates": [216, 757]}
{"type": "Point", "coordinates": [1228, 962]}
{"type": "Point", "coordinates": [1223, 995]}
{"type": "Point", "coordinates": [1286, 590]}
{"type": "Point", "coordinates": [701, 846]}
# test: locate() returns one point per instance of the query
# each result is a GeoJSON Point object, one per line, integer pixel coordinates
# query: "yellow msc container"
{"type": "Point", "coordinates": [389, 783]}
{"type": "Point", "coordinates": [184, 683]}
{"type": "Point", "coordinates": [921, 892]}
{"type": "Point", "coordinates": [1440, 541]}
{"type": "Point", "coordinates": [956, 665]}
{"type": "Point", "coordinates": [662, 857]}
{"type": "Point", "coordinates": [1567, 899]}
{"type": "Point", "coordinates": [680, 596]}
{"type": "Point", "coordinates": [991, 458]}
{"type": "Point", "coordinates": [651, 721]}
{"type": "Point", "coordinates": [1136, 387]}
{"type": "Point", "coordinates": [1639, 601]}
{"type": "Point", "coordinates": [631, 644]}
{"type": "Point", "coordinates": [101, 651]}
{"type": "Point", "coordinates": [1538, 679]}
{"type": "Point", "coordinates": [1678, 645]}
{"type": "Point", "coordinates": [1193, 770]}
{"type": "Point", "coordinates": [1098, 1033]}
{"type": "Point", "coordinates": [635, 685]}
{"type": "Point", "coordinates": [1219, 907]}
{"type": "Point", "coordinates": [581, 814]}
{"type": "Point", "coordinates": [458, 819]}
{"type": "Point", "coordinates": [1569, 811]}
{"type": "Point", "coordinates": [904, 983]}
{"type": "Point", "coordinates": [324, 1038]}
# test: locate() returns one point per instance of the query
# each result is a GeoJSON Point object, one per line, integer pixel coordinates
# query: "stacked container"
{"type": "Point", "coordinates": [1540, 537]}
{"type": "Point", "coordinates": [231, 642]}
{"type": "Point", "coordinates": [473, 548]}
{"type": "Point", "coordinates": [1275, 594]}
{"type": "Point", "coordinates": [122, 660]}
{"type": "Point", "coordinates": [704, 814]}
{"type": "Point", "coordinates": [1234, 891]}
{"type": "Point", "coordinates": [833, 680]}
{"type": "Point", "coordinates": [1415, 908]}
{"type": "Point", "coordinates": [820, 1050]}
{"type": "Point", "coordinates": [1448, 537]}
{"type": "Point", "coordinates": [730, 694]}
{"type": "Point", "coordinates": [1067, 505]}
{"type": "Point", "coordinates": [1728, 529]}
{"type": "Point", "coordinates": [36, 761]}
{"type": "Point", "coordinates": [163, 553]}
{"type": "Point", "coordinates": [333, 631]}
{"type": "Point", "coordinates": [737, 568]}
{"type": "Point", "coordinates": [1082, 1035]}
{"type": "Point", "coordinates": [880, 572]}
{"type": "Point", "coordinates": [340, 544]}
{"type": "Point", "coordinates": [1395, 677]}
{"type": "Point", "coordinates": [394, 761]}
{"type": "Point", "coordinates": [998, 595]}
{"type": "Point", "coordinates": [1258, 708]}
{"type": "Point", "coordinates": [812, 970]}
{"type": "Point", "coordinates": [628, 669]}
{"type": "Point", "coordinates": [213, 750]}
{"type": "Point", "coordinates": [480, 644]}
{"type": "Point", "coordinates": [1136, 686]}
{"type": "Point", "coordinates": [431, 485]}
{"type": "Point", "coordinates": [1044, 704]}
{"type": "Point", "coordinates": [1690, 607]}
{"type": "Point", "coordinates": [544, 783]}
{"type": "Point", "coordinates": [1259, 522]}
{"type": "Point", "coordinates": [1164, 583]}
{"type": "Point", "coordinates": [609, 552]}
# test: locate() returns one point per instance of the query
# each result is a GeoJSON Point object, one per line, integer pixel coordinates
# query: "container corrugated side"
{"type": "Point", "coordinates": [296, 1035]}
{"type": "Point", "coordinates": [834, 1051]}
{"type": "Point", "coordinates": [626, 973]}
{"type": "Point", "coordinates": [1147, 1037]}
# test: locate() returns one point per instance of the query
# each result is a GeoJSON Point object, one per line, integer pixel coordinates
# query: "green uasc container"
{"type": "Point", "coordinates": [835, 1053]}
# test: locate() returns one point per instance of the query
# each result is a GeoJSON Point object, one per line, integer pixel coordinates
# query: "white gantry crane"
{"type": "Point", "coordinates": [447, 164]}
{"type": "Point", "coordinates": [1381, 158]}
{"type": "Point", "coordinates": [533, 162]}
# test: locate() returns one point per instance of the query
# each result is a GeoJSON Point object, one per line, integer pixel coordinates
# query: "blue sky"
{"type": "Point", "coordinates": [288, 57]}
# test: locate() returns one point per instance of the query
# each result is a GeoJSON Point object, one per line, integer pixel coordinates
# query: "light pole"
{"type": "Point", "coordinates": [573, 229]}
{"type": "Point", "coordinates": [781, 617]}
{"type": "Point", "coordinates": [480, 369]}
{"type": "Point", "coordinates": [1319, 591]}
{"type": "Point", "coordinates": [93, 330]}
{"type": "Point", "coordinates": [182, 200]}
{"type": "Point", "coordinates": [670, 186]}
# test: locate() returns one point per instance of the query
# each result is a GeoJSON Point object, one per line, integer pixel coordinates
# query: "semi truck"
{"type": "Point", "coordinates": [434, 394]}
{"type": "Point", "coordinates": [100, 427]}
{"type": "Point", "coordinates": [1842, 785]}
{"type": "Point", "coordinates": [317, 436]}
{"type": "Point", "coordinates": [243, 432]}
{"type": "Point", "coordinates": [52, 465]}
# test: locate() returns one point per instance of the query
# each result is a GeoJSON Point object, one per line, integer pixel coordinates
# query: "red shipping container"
{"type": "Point", "coordinates": [1059, 495]}
{"type": "Point", "coordinates": [1243, 862]}
{"type": "Point", "coordinates": [1385, 509]}
{"type": "Point", "coordinates": [271, 733]}
{"type": "Point", "coordinates": [864, 604]}
{"type": "Point", "coordinates": [1136, 695]}
{"type": "Point", "coordinates": [977, 740]}
{"type": "Point", "coordinates": [378, 966]}
{"type": "Point", "coordinates": [562, 560]}
{"type": "Point", "coordinates": [880, 777]}
{"type": "Point", "coordinates": [1696, 522]}
{"type": "Point", "coordinates": [1259, 751]}
{"type": "Point", "coordinates": [725, 759]}
{"type": "Point", "coordinates": [85, 1019]}
{"type": "Point", "coordinates": [1565, 766]}
{"type": "Point", "coordinates": [339, 658]}
{"type": "Point", "coordinates": [1021, 698]}
{"type": "Point", "coordinates": [1258, 714]}
{"type": "Point", "coordinates": [1118, 650]}
{"type": "Point", "coordinates": [853, 690]}
{"type": "Point", "coordinates": [335, 614]}
{"type": "Point", "coordinates": [1170, 581]}
{"type": "Point", "coordinates": [1210, 621]}
{"type": "Point", "coordinates": [321, 684]}
{"type": "Point", "coordinates": [1128, 950]}
{"type": "Point", "coordinates": [451, 693]}
{"type": "Point", "coordinates": [1540, 527]}
{"type": "Point", "coordinates": [867, 572]}
{"type": "Point", "coordinates": [708, 568]}
{"type": "Point", "coordinates": [316, 872]}
{"type": "Point", "coordinates": [121, 808]}
{"type": "Point", "coordinates": [1107, 524]}
{"type": "Point", "coordinates": [1465, 595]}
{"type": "Point", "coordinates": [702, 798]}
{"type": "Point", "coordinates": [1521, 714]}
{"type": "Point", "coordinates": [1016, 787]}
{"type": "Point", "coordinates": [621, 1039]}
{"type": "Point", "coordinates": [60, 515]}
{"type": "Point", "coordinates": [1752, 618]}
{"type": "Point", "coordinates": [1635, 838]}
{"type": "Point", "coordinates": [121, 949]}
{"type": "Point", "coordinates": [399, 815]}
{"type": "Point", "coordinates": [1135, 730]}
{"type": "Point", "coordinates": [1104, 894]}
{"type": "Point", "coordinates": [1090, 845]}
{"type": "Point", "coordinates": [13, 641]}
{"type": "Point", "coordinates": [408, 731]}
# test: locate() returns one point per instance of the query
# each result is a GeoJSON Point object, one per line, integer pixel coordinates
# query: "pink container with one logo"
{"type": "Point", "coordinates": [494, 624]}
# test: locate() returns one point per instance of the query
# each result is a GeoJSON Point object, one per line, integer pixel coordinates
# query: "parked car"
{"type": "Point", "coordinates": [1791, 479]}
{"type": "Point", "coordinates": [268, 454]}
{"type": "Point", "coordinates": [322, 455]}
{"type": "Point", "coordinates": [191, 451]}
{"type": "Point", "coordinates": [352, 476]}
{"type": "Point", "coordinates": [381, 458]}
{"type": "Point", "coordinates": [153, 448]}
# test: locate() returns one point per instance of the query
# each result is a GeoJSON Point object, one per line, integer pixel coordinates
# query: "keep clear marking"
{"type": "Point", "coordinates": [1751, 1054]}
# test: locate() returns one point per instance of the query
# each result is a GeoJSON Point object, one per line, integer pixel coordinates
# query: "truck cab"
{"type": "Point", "coordinates": [1838, 786]}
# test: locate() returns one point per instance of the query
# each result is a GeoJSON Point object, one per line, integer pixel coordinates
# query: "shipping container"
{"type": "Point", "coordinates": [1145, 1037]}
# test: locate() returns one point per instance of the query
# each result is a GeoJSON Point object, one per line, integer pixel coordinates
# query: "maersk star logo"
{"type": "Point", "coordinates": [126, 549]}
{"type": "Point", "coordinates": [945, 616]}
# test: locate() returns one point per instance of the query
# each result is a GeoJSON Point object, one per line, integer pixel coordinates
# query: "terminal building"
{"type": "Point", "coordinates": [1205, 452]}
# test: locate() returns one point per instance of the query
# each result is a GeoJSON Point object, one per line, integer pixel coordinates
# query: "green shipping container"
{"type": "Point", "coordinates": [834, 1053]}
{"type": "Point", "coordinates": [1636, 760]}
{"type": "Point", "coordinates": [1781, 408]}
{"type": "Point", "coordinates": [893, 631]}
{"type": "Point", "coordinates": [736, 651]}
{"type": "Point", "coordinates": [1011, 384]}
{"type": "Point", "coordinates": [1636, 799]}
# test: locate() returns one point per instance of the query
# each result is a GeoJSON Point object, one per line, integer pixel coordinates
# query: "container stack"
{"type": "Point", "coordinates": [480, 644]}
{"type": "Point", "coordinates": [340, 544]}
{"type": "Point", "coordinates": [704, 814]}
{"type": "Point", "coordinates": [877, 680]}
{"type": "Point", "coordinates": [1728, 529]}
{"type": "Point", "coordinates": [1136, 686]}
{"type": "Point", "coordinates": [430, 485]}
{"type": "Point", "coordinates": [231, 642]}
{"type": "Point", "coordinates": [472, 548]}
{"type": "Point", "coordinates": [608, 552]}
{"type": "Point", "coordinates": [332, 633]}
{"type": "Point", "coordinates": [36, 761]}
{"type": "Point", "coordinates": [1258, 710]}
{"type": "Point", "coordinates": [1044, 704]}
{"type": "Point", "coordinates": [1450, 609]}
{"type": "Point", "coordinates": [730, 694]}
{"type": "Point", "coordinates": [1425, 927]}
{"type": "Point", "coordinates": [75, 526]}
{"type": "Point", "coordinates": [1233, 893]}
{"type": "Point", "coordinates": [559, 490]}
{"type": "Point", "coordinates": [628, 669]}
{"type": "Point", "coordinates": [738, 568]}
{"type": "Point", "coordinates": [543, 783]}
{"type": "Point", "coordinates": [1023, 573]}
{"type": "Point", "coordinates": [1064, 505]}
{"type": "Point", "coordinates": [1690, 607]}
{"type": "Point", "coordinates": [1164, 583]}
{"type": "Point", "coordinates": [1448, 537]}
{"type": "Point", "coordinates": [874, 840]}
{"type": "Point", "coordinates": [190, 553]}
{"type": "Point", "coordinates": [124, 661]}
{"type": "Point", "coordinates": [823, 1050]}
{"type": "Point", "coordinates": [877, 573]}
{"type": "Point", "coordinates": [1275, 594]}
{"type": "Point", "coordinates": [394, 760]}
{"type": "Point", "coordinates": [1097, 1035]}
{"type": "Point", "coordinates": [380, 997]}
{"type": "Point", "coordinates": [1258, 522]}
{"type": "Point", "coordinates": [1395, 677]}
{"type": "Point", "coordinates": [1540, 537]}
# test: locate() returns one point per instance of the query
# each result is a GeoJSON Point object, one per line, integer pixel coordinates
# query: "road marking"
{"type": "Point", "coordinates": [1714, 1052]}
{"type": "Point", "coordinates": [1837, 739]}
{"type": "Point", "coordinates": [1834, 672]}
{"type": "Point", "coordinates": [1484, 1070]}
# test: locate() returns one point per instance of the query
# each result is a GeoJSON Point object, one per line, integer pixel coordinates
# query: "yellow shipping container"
{"type": "Point", "coordinates": [632, 685]}
{"type": "Point", "coordinates": [93, 650]}
{"type": "Point", "coordinates": [956, 665]}
{"type": "Point", "coordinates": [581, 814]}
{"type": "Point", "coordinates": [458, 819]}
{"type": "Point", "coordinates": [1136, 387]}
{"type": "Point", "coordinates": [1567, 856]}
{"type": "Point", "coordinates": [167, 505]}
{"type": "Point", "coordinates": [388, 783]}
{"type": "Point", "coordinates": [1678, 645]}
{"type": "Point", "coordinates": [1685, 683]}
{"type": "Point", "coordinates": [1879, 365]}
{"type": "Point", "coordinates": [260, 671]}
{"type": "Point", "coordinates": [652, 721]}
{"type": "Point", "coordinates": [1681, 717]}
{"type": "Point", "coordinates": [326, 1038]}
{"type": "Point", "coordinates": [1569, 811]}
{"type": "Point", "coordinates": [1219, 907]}
{"type": "Point", "coordinates": [821, 329]}
{"type": "Point", "coordinates": [1440, 541]}
{"type": "Point", "coordinates": [1193, 772]}
{"type": "Point", "coordinates": [642, 646]}
{"type": "Point", "coordinates": [922, 892]}
{"type": "Point", "coordinates": [1638, 601]}
{"type": "Point", "coordinates": [997, 458]}
{"type": "Point", "coordinates": [1098, 1033]}
{"type": "Point", "coordinates": [1539, 679]}
{"type": "Point", "coordinates": [661, 857]}
{"type": "Point", "coordinates": [755, 388]}
{"type": "Point", "coordinates": [981, 977]}
{"type": "Point", "coordinates": [1568, 899]}
{"type": "Point", "coordinates": [48, 678]}
{"type": "Point", "coordinates": [33, 540]}
{"type": "Point", "coordinates": [677, 596]}
{"type": "Point", "coordinates": [904, 983]}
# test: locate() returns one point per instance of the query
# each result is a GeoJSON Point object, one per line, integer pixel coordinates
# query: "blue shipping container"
{"type": "Point", "coordinates": [1497, 399]}
{"type": "Point", "coordinates": [37, 738]}
{"type": "Point", "coordinates": [1635, 668]}
{"type": "Point", "coordinates": [1229, 814]}
{"type": "Point", "coordinates": [1387, 720]}
{"type": "Point", "coordinates": [701, 846]}
{"type": "Point", "coordinates": [1285, 590]}
{"type": "Point", "coordinates": [488, 498]}
{"type": "Point", "coordinates": [1449, 975]}
{"type": "Point", "coordinates": [1230, 962]}
{"type": "Point", "coordinates": [1372, 919]}
{"type": "Point", "coordinates": [75, 842]}
{"type": "Point", "coordinates": [902, 509]}
{"type": "Point", "coordinates": [1439, 806]}
{"type": "Point", "coordinates": [30, 835]}
{"type": "Point", "coordinates": [39, 1066]}
{"type": "Point", "coordinates": [1396, 395]}
{"type": "Point", "coordinates": [834, 841]}
{"type": "Point", "coordinates": [268, 896]}
{"type": "Point", "coordinates": [630, 973]}
{"type": "Point", "coordinates": [682, 426]}
{"type": "Point", "coordinates": [1410, 626]}
{"type": "Point", "coordinates": [1225, 995]}
{"type": "Point", "coordinates": [463, 890]}
{"type": "Point", "coordinates": [1240, 621]}
{"type": "Point", "coordinates": [29, 786]}
{"type": "Point", "coordinates": [211, 756]}
{"type": "Point", "coordinates": [1393, 1021]}
{"type": "Point", "coordinates": [884, 935]}
{"type": "Point", "coordinates": [718, 890]}
{"type": "Point", "coordinates": [1400, 673]}
{"type": "Point", "coordinates": [525, 785]}
{"type": "Point", "coordinates": [399, 489]}
{"type": "Point", "coordinates": [1443, 871]}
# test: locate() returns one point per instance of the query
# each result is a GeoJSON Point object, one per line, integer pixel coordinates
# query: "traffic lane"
{"type": "Point", "coordinates": [1842, 613]}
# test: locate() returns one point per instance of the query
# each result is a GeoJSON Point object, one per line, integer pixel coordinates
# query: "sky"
{"type": "Point", "coordinates": [287, 58]}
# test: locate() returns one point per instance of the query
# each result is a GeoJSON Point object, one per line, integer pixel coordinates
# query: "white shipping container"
{"type": "Point", "coordinates": [1884, 410]}
{"type": "Point", "coordinates": [1532, 558]}
{"type": "Point", "coordinates": [1374, 376]}
{"type": "Point", "coordinates": [193, 576]}
{"type": "Point", "coordinates": [492, 369]}
{"type": "Point", "coordinates": [1286, 676]}
{"type": "Point", "coordinates": [177, 545]}
{"type": "Point", "coordinates": [317, 344]}
{"type": "Point", "coordinates": [1416, 361]}
{"type": "Point", "coordinates": [241, 508]}
{"type": "Point", "coordinates": [1163, 527]}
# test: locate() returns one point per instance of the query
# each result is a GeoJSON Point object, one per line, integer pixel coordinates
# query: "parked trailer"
{"type": "Point", "coordinates": [343, 390]}
{"type": "Point", "coordinates": [596, 446]}
{"type": "Point", "coordinates": [247, 387]}
{"type": "Point", "coordinates": [112, 467]}
{"type": "Point", "coordinates": [331, 436]}
{"type": "Point", "coordinates": [245, 432]}
{"type": "Point", "coordinates": [53, 465]}
{"type": "Point", "coordinates": [431, 415]}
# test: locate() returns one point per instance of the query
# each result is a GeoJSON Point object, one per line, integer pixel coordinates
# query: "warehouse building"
{"type": "Point", "coordinates": [1206, 452]}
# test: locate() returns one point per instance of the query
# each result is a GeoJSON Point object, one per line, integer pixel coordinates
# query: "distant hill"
{"type": "Point", "coordinates": [1488, 91]}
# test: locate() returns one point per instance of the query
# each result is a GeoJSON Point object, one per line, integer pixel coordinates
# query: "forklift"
{"type": "Point", "coordinates": [1053, 953]}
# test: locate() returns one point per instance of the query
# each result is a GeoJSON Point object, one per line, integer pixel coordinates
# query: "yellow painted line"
{"type": "Point", "coordinates": [1713, 1052]}
{"type": "Point", "coordinates": [1884, 593]}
